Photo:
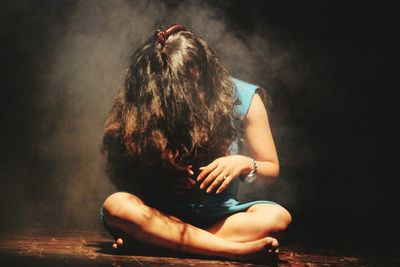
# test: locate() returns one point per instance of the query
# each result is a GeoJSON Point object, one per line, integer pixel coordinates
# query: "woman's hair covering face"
{"type": "Point", "coordinates": [174, 109]}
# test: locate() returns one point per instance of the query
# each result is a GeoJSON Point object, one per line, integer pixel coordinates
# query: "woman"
{"type": "Point", "coordinates": [172, 148]}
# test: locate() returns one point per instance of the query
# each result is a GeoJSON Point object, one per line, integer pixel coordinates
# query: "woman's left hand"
{"type": "Point", "coordinates": [222, 171]}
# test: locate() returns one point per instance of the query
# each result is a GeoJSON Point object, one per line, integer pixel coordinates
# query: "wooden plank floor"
{"type": "Point", "coordinates": [94, 249]}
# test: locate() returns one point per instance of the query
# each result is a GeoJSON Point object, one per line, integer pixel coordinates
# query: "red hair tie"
{"type": "Point", "coordinates": [162, 36]}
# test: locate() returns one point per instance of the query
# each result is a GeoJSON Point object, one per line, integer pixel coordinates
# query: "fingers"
{"type": "Point", "coordinates": [219, 173]}
{"type": "Point", "coordinates": [181, 186]}
{"type": "Point", "coordinates": [214, 174]}
{"type": "Point", "coordinates": [191, 181]}
{"type": "Point", "coordinates": [224, 185]}
{"type": "Point", "coordinates": [185, 183]}
{"type": "Point", "coordinates": [190, 170]}
{"type": "Point", "coordinates": [222, 177]}
{"type": "Point", "coordinates": [206, 170]}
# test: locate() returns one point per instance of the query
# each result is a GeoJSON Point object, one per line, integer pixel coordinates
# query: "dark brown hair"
{"type": "Point", "coordinates": [175, 109]}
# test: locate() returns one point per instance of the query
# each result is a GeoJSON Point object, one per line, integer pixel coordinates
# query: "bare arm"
{"type": "Point", "coordinates": [259, 140]}
{"type": "Point", "coordinates": [222, 171]}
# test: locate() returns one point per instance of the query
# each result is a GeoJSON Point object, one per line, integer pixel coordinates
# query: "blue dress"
{"type": "Point", "coordinates": [205, 209]}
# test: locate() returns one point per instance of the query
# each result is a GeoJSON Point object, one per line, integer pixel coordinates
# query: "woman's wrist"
{"type": "Point", "coordinates": [248, 166]}
{"type": "Point", "coordinates": [249, 174]}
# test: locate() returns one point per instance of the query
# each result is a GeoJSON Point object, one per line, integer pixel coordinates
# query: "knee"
{"type": "Point", "coordinates": [281, 218]}
{"type": "Point", "coordinates": [121, 206]}
{"type": "Point", "coordinates": [275, 217]}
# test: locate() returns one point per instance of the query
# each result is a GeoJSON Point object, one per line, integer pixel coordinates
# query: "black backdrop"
{"type": "Point", "coordinates": [341, 111]}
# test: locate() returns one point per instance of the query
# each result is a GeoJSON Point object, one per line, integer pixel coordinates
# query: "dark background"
{"type": "Point", "coordinates": [335, 124]}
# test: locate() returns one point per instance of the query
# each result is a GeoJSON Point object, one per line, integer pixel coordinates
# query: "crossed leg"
{"type": "Point", "coordinates": [258, 221]}
{"type": "Point", "coordinates": [124, 212]}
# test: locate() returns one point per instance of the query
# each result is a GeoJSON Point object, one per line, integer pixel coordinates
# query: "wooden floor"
{"type": "Point", "coordinates": [94, 249]}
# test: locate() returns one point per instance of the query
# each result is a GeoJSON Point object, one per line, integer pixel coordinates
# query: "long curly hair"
{"type": "Point", "coordinates": [174, 109]}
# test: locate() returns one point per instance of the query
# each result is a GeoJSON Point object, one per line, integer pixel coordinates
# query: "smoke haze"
{"type": "Point", "coordinates": [85, 52]}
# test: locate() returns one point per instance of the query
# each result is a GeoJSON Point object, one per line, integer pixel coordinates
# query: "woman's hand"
{"type": "Point", "coordinates": [183, 184]}
{"type": "Point", "coordinates": [222, 171]}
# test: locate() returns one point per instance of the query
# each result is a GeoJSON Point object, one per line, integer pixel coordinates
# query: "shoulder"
{"type": "Point", "coordinates": [244, 92]}
{"type": "Point", "coordinates": [257, 112]}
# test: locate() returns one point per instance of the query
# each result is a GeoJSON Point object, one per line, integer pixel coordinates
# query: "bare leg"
{"type": "Point", "coordinates": [127, 213]}
{"type": "Point", "coordinates": [258, 221]}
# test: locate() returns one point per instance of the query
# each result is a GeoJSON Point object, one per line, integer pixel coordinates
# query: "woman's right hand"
{"type": "Point", "coordinates": [182, 185]}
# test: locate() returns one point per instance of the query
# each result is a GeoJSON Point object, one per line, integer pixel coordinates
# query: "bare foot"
{"type": "Point", "coordinates": [267, 244]}
{"type": "Point", "coordinates": [262, 250]}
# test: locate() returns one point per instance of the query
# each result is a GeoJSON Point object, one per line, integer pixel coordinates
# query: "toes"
{"type": "Point", "coordinates": [118, 243]}
{"type": "Point", "coordinates": [275, 243]}
{"type": "Point", "coordinates": [271, 245]}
